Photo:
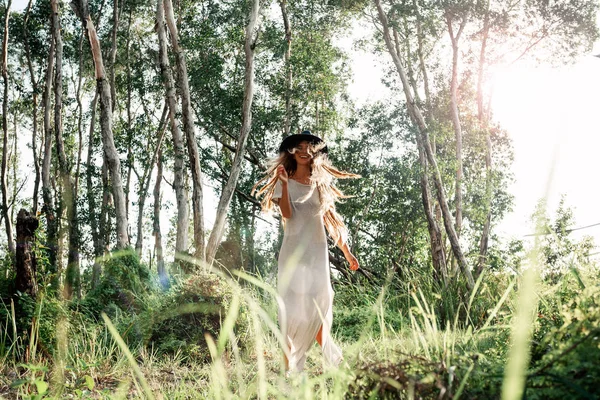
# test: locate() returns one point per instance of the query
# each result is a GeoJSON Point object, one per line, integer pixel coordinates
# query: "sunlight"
{"type": "Point", "coordinates": [550, 113]}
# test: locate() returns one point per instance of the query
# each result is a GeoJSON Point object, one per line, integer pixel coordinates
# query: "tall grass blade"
{"type": "Point", "coordinates": [130, 358]}
{"type": "Point", "coordinates": [463, 383]}
{"type": "Point", "coordinates": [227, 326]}
{"type": "Point", "coordinates": [499, 304]}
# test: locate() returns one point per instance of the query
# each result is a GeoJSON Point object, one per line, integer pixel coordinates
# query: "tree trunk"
{"type": "Point", "coordinates": [48, 208]}
{"type": "Point", "coordinates": [3, 182]}
{"type": "Point", "coordinates": [484, 126]}
{"type": "Point", "coordinates": [25, 262]}
{"type": "Point", "coordinates": [72, 278]}
{"type": "Point", "coordinates": [107, 202]}
{"type": "Point", "coordinates": [106, 125]}
{"type": "Point", "coordinates": [419, 121]}
{"type": "Point", "coordinates": [145, 182]}
{"type": "Point", "coordinates": [422, 66]}
{"type": "Point", "coordinates": [130, 160]}
{"type": "Point", "coordinates": [181, 194]}
{"type": "Point", "coordinates": [456, 118]}
{"type": "Point", "coordinates": [34, 96]}
{"type": "Point", "coordinates": [113, 55]}
{"type": "Point", "coordinates": [438, 255]}
{"type": "Point", "coordinates": [227, 193]}
{"type": "Point", "coordinates": [160, 263]}
{"type": "Point", "coordinates": [188, 127]}
{"type": "Point", "coordinates": [288, 68]}
{"type": "Point", "coordinates": [436, 235]}
{"type": "Point", "coordinates": [93, 212]}
{"type": "Point", "coordinates": [79, 119]}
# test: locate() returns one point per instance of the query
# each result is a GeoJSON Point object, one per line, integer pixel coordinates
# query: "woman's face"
{"type": "Point", "coordinates": [301, 155]}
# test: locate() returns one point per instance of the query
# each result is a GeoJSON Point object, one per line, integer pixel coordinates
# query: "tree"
{"type": "Point", "coordinates": [228, 190]}
{"type": "Point", "coordinates": [158, 249]}
{"type": "Point", "coordinates": [483, 34]}
{"type": "Point", "coordinates": [190, 135]}
{"type": "Point", "coordinates": [34, 96]}
{"type": "Point", "coordinates": [3, 168]}
{"type": "Point", "coordinates": [417, 116]}
{"type": "Point", "coordinates": [69, 194]}
{"type": "Point", "coordinates": [181, 194]}
{"type": "Point", "coordinates": [106, 123]}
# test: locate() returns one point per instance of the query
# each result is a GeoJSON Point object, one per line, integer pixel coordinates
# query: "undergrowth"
{"type": "Point", "coordinates": [213, 336]}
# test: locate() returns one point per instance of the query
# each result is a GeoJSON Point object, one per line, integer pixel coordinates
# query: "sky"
{"type": "Point", "coordinates": [552, 117]}
{"type": "Point", "coordinates": [551, 114]}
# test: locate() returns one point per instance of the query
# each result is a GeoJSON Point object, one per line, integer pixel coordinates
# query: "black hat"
{"type": "Point", "coordinates": [293, 140]}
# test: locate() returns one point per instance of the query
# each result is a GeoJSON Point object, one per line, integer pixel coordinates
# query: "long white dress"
{"type": "Point", "coordinates": [303, 280]}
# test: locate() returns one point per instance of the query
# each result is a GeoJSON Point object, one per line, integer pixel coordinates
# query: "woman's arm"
{"type": "Point", "coordinates": [284, 203]}
{"type": "Point", "coordinates": [349, 256]}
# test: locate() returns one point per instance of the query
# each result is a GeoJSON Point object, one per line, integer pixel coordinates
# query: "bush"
{"type": "Point", "coordinates": [409, 377]}
{"type": "Point", "coordinates": [123, 285]}
{"type": "Point", "coordinates": [193, 308]}
{"type": "Point", "coordinates": [570, 367]}
{"type": "Point", "coordinates": [42, 315]}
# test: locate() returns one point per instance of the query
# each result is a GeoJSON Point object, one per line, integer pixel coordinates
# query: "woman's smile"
{"type": "Point", "coordinates": [302, 155]}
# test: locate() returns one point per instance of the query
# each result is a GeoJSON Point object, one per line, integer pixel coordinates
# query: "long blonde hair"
{"type": "Point", "coordinates": [322, 177]}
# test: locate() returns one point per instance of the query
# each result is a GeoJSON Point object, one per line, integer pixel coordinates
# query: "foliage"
{"type": "Point", "coordinates": [124, 284]}
{"type": "Point", "coordinates": [193, 308]}
{"type": "Point", "coordinates": [569, 368]}
{"type": "Point", "coordinates": [409, 378]}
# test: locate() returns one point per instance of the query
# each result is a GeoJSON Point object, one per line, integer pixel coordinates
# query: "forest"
{"type": "Point", "coordinates": [137, 261]}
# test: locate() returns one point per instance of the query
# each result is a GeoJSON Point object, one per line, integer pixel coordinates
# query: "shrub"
{"type": "Point", "coordinates": [194, 307]}
{"type": "Point", "coordinates": [123, 284]}
{"type": "Point", "coordinates": [570, 368]}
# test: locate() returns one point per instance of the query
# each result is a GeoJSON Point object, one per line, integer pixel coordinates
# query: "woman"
{"type": "Point", "coordinates": [300, 182]}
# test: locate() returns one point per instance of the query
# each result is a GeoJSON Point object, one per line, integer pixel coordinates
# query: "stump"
{"type": "Point", "coordinates": [25, 262]}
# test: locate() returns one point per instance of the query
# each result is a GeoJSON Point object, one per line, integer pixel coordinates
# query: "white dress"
{"type": "Point", "coordinates": [303, 280]}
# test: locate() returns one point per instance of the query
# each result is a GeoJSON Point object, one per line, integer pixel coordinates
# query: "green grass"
{"type": "Point", "coordinates": [396, 345]}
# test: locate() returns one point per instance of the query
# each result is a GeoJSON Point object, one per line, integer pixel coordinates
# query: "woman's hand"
{"type": "Point", "coordinates": [282, 174]}
{"type": "Point", "coordinates": [352, 261]}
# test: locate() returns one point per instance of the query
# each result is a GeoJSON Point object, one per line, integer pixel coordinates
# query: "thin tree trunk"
{"type": "Point", "coordinates": [145, 182]}
{"type": "Point", "coordinates": [288, 68]}
{"type": "Point", "coordinates": [417, 118]}
{"type": "Point", "coordinates": [188, 127]}
{"type": "Point", "coordinates": [105, 222]}
{"type": "Point", "coordinates": [227, 193]}
{"type": "Point", "coordinates": [438, 255]}
{"type": "Point", "coordinates": [483, 124]}
{"type": "Point", "coordinates": [130, 160]}
{"type": "Point", "coordinates": [34, 86]}
{"type": "Point", "coordinates": [181, 193]}
{"type": "Point", "coordinates": [251, 244]}
{"type": "Point", "coordinates": [72, 278]}
{"type": "Point", "coordinates": [50, 211]}
{"type": "Point", "coordinates": [3, 183]}
{"type": "Point", "coordinates": [79, 118]}
{"type": "Point", "coordinates": [106, 123]}
{"type": "Point", "coordinates": [14, 164]}
{"type": "Point", "coordinates": [437, 211]}
{"type": "Point", "coordinates": [409, 66]}
{"type": "Point", "coordinates": [160, 263]}
{"type": "Point", "coordinates": [456, 119]}
{"type": "Point", "coordinates": [423, 67]}
{"type": "Point", "coordinates": [93, 213]}
{"type": "Point", "coordinates": [113, 55]}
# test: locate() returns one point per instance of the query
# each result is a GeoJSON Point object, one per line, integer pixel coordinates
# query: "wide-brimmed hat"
{"type": "Point", "coordinates": [293, 140]}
